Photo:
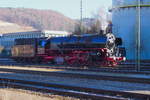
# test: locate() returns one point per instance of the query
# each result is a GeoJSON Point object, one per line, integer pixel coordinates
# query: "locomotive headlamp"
{"type": "Point", "coordinates": [110, 38]}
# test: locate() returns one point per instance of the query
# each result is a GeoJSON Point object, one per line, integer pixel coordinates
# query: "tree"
{"type": "Point", "coordinates": [109, 27]}
{"type": "Point", "coordinates": [80, 29]}
{"type": "Point", "coordinates": [103, 16]}
{"type": "Point", "coordinates": [96, 27]}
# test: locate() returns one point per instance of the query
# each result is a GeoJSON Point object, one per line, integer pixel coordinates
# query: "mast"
{"type": "Point", "coordinates": [138, 38]}
{"type": "Point", "coordinates": [81, 15]}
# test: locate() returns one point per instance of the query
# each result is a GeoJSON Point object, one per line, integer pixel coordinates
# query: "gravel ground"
{"type": "Point", "coordinates": [98, 84]}
{"type": "Point", "coordinates": [12, 94]}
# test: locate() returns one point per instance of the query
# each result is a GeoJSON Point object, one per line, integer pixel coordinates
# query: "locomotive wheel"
{"type": "Point", "coordinates": [74, 63]}
{"type": "Point", "coordinates": [111, 64]}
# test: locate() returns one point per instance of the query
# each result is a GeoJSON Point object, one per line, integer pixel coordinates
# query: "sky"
{"type": "Point", "coordinates": [70, 8]}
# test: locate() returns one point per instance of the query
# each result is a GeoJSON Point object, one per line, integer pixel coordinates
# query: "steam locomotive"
{"type": "Point", "coordinates": [75, 50]}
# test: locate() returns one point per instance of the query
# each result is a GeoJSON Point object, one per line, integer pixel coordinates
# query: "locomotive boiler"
{"type": "Point", "coordinates": [91, 49]}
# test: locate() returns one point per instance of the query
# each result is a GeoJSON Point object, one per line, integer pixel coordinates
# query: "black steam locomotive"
{"type": "Point", "coordinates": [92, 49]}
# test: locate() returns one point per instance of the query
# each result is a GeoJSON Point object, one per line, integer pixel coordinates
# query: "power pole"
{"type": "Point", "coordinates": [81, 15]}
{"type": "Point", "coordinates": [138, 36]}
{"type": "Point", "coordinates": [81, 8]}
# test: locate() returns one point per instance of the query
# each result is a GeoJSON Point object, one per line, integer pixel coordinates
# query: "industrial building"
{"type": "Point", "coordinates": [7, 39]}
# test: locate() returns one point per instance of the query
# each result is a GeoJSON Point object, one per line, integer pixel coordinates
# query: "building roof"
{"type": "Point", "coordinates": [38, 31]}
{"type": "Point", "coordinates": [56, 32]}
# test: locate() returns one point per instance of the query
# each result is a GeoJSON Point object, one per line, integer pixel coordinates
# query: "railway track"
{"type": "Point", "coordinates": [79, 91]}
{"type": "Point", "coordinates": [81, 74]}
{"type": "Point", "coordinates": [67, 90]}
{"type": "Point", "coordinates": [124, 67]}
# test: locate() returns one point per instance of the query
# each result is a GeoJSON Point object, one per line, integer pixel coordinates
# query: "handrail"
{"type": "Point", "coordinates": [128, 6]}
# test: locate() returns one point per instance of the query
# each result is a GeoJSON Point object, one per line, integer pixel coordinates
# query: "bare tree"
{"type": "Point", "coordinates": [80, 29]}
{"type": "Point", "coordinates": [103, 15]}
{"type": "Point", "coordinates": [97, 24]}
{"type": "Point", "coordinates": [109, 27]}
{"type": "Point", "coordinates": [96, 27]}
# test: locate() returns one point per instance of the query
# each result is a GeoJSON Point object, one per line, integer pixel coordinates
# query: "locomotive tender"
{"type": "Point", "coordinates": [91, 49]}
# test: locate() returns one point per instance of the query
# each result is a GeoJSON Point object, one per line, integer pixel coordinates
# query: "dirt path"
{"type": "Point", "coordinates": [11, 94]}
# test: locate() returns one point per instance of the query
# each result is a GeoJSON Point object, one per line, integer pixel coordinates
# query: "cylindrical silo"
{"type": "Point", "coordinates": [125, 25]}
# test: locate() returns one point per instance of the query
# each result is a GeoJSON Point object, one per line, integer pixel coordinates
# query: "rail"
{"type": "Point", "coordinates": [81, 74]}
{"type": "Point", "coordinates": [80, 92]}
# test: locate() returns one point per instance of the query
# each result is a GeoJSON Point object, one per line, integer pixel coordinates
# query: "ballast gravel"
{"type": "Point", "coordinates": [89, 83]}
{"type": "Point", "coordinates": [146, 76]}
